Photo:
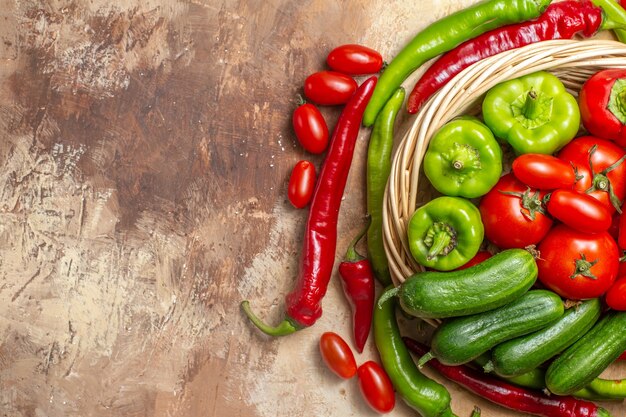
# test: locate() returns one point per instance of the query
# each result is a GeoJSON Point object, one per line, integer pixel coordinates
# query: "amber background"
{"type": "Point", "coordinates": [145, 148]}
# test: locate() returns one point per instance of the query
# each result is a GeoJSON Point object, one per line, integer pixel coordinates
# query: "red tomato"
{"type": "Point", "coordinates": [622, 268]}
{"type": "Point", "coordinates": [301, 184]}
{"type": "Point", "coordinates": [614, 229]}
{"type": "Point", "coordinates": [514, 220]}
{"type": "Point", "coordinates": [376, 387]}
{"type": "Point", "coordinates": [311, 128]}
{"type": "Point", "coordinates": [355, 60]}
{"type": "Point", "coordinates": [579, 211]}
{"type": "Point", "coordinates": [616, 295]}
{"type": "Point", "coordinates": [329, 88]}
{"type": "Point", "coordinates": [594, 179]}
{"type": "Point", "coordinates": [577, 265]}
{"type": "Point", "coordinates": [545, 172]}
{"type": "Point", "coordinates": [478, 258]}
{"type": "Point", "coordinates": [621, 229]}
{"type": "Point", "coordinates": [337, 355]}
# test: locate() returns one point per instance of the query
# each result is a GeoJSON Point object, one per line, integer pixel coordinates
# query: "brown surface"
{"type": "Point", "coordinates": [143, 163]}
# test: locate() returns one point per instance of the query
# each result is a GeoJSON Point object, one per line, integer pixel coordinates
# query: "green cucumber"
{"type": "Point", "coordinates": [485, 286]}
{"type": "Point", "coordinates": [462, 339]}
{"type": "Point", "coordinates": [523, 354]}
{"type": "Point", "coordinates": [579, 364]}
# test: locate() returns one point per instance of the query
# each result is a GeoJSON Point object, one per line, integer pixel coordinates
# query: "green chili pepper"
{"type": "Point", "coordinates": [533, 113]}
{"type": "Point", "coordinates": [378, 168]}
{"type": "Point", "coordinates": [463, 158]}
{"type": "Point", "coordinates": [444, 35]}
{"type": "Point", "coordinates": [445, 233]}
{"type": "Point", "coordinates": [426, 396]}
{"type": "Point", "coordinates": [614, 12]}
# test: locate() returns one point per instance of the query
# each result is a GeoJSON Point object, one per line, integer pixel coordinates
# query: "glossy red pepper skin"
{"type": "Point", "coordinates": [561, 20]}
{"type": "Point", "coordinates": [357, 280]}
{"type": "Point", "coordinates": [320, 236]}
{"type": "Point", "coordinates": [508, 395]}
{"type": "Point", "coordinates": [595, 113]}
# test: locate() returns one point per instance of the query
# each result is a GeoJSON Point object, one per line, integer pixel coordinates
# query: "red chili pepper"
{"type": "Point", "coordinates": [561, 20]}
{"type": "Point", "coordinates": [508, 395]}
{"type": "Point", "coordinates": [320, 235]}
{"type": "Point", "coordinates": [357, 280]}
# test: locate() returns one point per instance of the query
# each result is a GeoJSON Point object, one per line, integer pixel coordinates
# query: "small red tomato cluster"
{"type": "Point", "coordinates": [569, 205]}
{"type": "Point", "coordinates": [325, 88]}
{"type": "Point", "coordinates": [374, 383]}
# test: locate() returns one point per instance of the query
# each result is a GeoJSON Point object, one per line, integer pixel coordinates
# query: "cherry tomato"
{"type": "Point", "coordinates": [301, 184]}
{"type": "Point", "coordinates": [376, 387]}
{"type": "Point", "coordinates": [622, 267]}
{"type": "Point", "coordinates": [311, 128]}
{"type": "Point", "coordinates": [355, 60]}
{"type": "Point", "coordinates": [513, 214]}
{"type": "Point", "coordinates": [614, 229]}
{"type": "Point", "coordinates": [337, 355]}
{"type": "Point", "coordinates": [478, 258]}
{"type": "Point", "coordinates": [579, 211]}
{"type": "Point", "coordinates": [594, 179]}
{"type": "Point", "coordinates": [616, 295]}
{"type": "Point", "coordinates": [577, 265]}
{"type": "Point", "coordinates": [545, 172]}
{"type": "Point", "coordinates": [329, 88]}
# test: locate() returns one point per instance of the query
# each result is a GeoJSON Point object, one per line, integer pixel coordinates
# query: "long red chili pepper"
{"type": "Point", "coordinates": [357, 280]}
{"type": "Point", "coordinates": [561, 20]}
{"type": "Point", "coordinates": [508, 395]}
{"type": "Point", "coordinates": [320, 235]}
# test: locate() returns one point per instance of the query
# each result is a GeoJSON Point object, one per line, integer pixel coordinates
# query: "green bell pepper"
{"type": "Point", "coordinates": [445, 233]}
{"type": "Point", "coordinates": [533, 113]}
{"type": "Point", "coordinates": [463, 159]}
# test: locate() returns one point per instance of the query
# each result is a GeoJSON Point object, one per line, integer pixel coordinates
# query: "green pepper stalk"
{"type": "Point", "coordinates": [445, 233]}
{"type": "Point", "coordinates": [444, 35]}
{"type": "Point", "coordinates": [533, 113]}
{"type": "Point", "coordinates": [615, 17]}
{"type": "Point", "coordinates": [378, 168]}
{"type": "Point", "coordinates": [463, 159]}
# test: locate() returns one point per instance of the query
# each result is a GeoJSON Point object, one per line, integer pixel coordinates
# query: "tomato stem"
{"type": "Point", "coordinates": [583, 267]}
{"type": "Point", "coordinates": [601, 181]}
{"type": "Point", "coordinates": [530, 204]}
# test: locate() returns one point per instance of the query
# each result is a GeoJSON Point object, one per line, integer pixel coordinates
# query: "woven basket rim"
{"type": "Point", "coordinates": [573, 61]}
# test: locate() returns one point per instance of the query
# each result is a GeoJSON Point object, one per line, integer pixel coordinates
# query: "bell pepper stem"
{"type": "Point", "coordinates": [440, 241]}
{"type": "Point", "coordinates": [286, 327]}
{"type": "Point", "coordinates": [531, 106]}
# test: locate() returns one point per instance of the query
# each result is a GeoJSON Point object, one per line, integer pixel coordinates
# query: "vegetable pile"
{"type": "Point", "coordinates": [522, 248]}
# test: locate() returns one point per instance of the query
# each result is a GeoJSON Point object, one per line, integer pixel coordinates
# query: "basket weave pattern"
{"type": "Point", "coordinates": [573, 61]}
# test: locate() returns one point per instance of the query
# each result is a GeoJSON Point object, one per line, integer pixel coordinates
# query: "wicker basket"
{"type": "Point", "coordinates": [572, 61]}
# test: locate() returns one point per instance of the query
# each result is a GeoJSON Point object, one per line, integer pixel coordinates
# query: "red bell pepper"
{"type": "Point", "coordinates": [602, 102]}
